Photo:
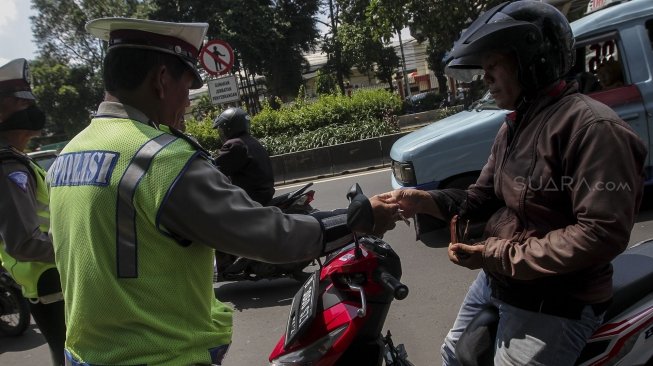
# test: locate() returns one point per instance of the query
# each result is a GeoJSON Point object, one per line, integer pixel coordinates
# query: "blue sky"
{"type": "Point", "coordinates": [15, 31]}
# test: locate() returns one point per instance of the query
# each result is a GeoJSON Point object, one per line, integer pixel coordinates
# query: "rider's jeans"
{"type": "Point", "coordinates": [523, 337]}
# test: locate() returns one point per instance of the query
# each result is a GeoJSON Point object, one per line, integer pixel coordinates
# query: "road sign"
{"type": "Point", "coordinates": [217, 57]}
{"type": "Point", "coordinates": [224, 90]}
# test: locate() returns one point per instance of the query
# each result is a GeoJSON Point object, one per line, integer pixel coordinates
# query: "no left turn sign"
{"type": "Point", "coordinates": [217, 57]}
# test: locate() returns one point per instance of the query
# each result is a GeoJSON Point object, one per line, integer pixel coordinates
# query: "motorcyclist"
{"type": "Point", "coordinates": [25, 249]}
{"type": "Point", "coordinates": [242, 157]}
{"type": "Point", "coordinates": [555, 217]}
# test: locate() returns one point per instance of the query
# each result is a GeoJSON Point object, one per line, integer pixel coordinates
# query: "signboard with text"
{"type": "Point", "coordinates": [224, 90]}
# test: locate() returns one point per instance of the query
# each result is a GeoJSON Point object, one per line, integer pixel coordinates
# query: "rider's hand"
{"type": "Point", "coordinates": [411, 201]}
{"type": "Point", "coordinates": [385, 215]}
{"type": "Point", "coordinates": [470, 256]}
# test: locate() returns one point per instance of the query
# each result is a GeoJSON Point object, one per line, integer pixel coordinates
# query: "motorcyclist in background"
{"type": "Point", "coordinates": [242, 157]}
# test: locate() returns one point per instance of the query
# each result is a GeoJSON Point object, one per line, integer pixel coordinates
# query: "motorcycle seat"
{"type": "Point", "coordinates": [632, 279]}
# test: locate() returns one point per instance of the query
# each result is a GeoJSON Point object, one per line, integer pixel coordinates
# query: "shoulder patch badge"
{"type": "Point", "coordinates": [20, 179]}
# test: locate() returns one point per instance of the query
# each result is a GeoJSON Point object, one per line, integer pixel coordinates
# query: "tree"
{"type": "Point", "coordinates": [294, 21]}
{"type": "Point", "coordinates": [269, 36]}
{"type": "Point", "coordinates": [440, 23]}
{"type": "Point", "coordinates": [325, 83]}
{"type": "Point", "coordinates": [387, 64]}
{"type": "Point", "coordinates": [367, 53]}
{"type": "Point", "coordinates": [66, 94]}
{"type": "Point", "coordinates": [59, 27]}
{"type": "Point", "coordinates": [66, 74]}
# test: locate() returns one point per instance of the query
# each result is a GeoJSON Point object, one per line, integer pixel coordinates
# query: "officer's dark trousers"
{"type": "Point", "coordinates": [50, 318]}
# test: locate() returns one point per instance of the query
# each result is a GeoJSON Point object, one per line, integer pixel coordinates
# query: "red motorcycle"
{"type": "Point", "coordinates": [337, 316]}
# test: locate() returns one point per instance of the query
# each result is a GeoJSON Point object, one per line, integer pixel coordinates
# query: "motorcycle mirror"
{"type": "Point", "coordinates": [360, 217]}
{"type": "Point", "coordinates": [354, 191]}
{"type": "Point", "coordinates": [300, 191]}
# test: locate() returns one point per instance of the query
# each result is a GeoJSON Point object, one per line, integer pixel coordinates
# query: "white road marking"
{"type": "Point", "coordinates": [331, 179]}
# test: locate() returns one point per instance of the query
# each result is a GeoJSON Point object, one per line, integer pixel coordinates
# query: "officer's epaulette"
{"type": "Point", "coordinates": [10, 153]}
{"type": "Point", "coordinates": [190, 139]}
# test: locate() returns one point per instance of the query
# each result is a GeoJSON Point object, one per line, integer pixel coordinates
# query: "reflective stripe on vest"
{"type": "Point", "coordinates": [126, 243]}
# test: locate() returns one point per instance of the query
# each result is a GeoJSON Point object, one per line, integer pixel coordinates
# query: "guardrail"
{"type": "Point", "coordinates": [333, 160]}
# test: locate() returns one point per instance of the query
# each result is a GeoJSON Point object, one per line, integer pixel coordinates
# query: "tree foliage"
{"type": "Point", "coordinates": [325, 83]}
{"type": "Point", "coordinates": [269, 37]}
{"type": "Point", "coordinates": [66, 93]}
{"type": "Point", "coordinates": [440, 22]}
{"type": "Point", "coordinates": [67, 73]}
{"type": "Point", "coordinates": [387, 64]}
{"type": "Point", "coordinates": [59, 27]}
{"type": "Point", "coordinates": [352, 41]}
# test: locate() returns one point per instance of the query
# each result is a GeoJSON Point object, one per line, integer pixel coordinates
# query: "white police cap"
{"type": "Point", "coordinates": [180, 39]}
{"type": "Point", "coordinates": [14, 79]}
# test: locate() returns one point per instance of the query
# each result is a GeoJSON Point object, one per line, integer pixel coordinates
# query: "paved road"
{"type": "Point", "coordinates": [420, 321]}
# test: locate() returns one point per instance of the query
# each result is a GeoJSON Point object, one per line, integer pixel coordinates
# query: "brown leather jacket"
{"type": "Point", "coordinates": [568, 176]}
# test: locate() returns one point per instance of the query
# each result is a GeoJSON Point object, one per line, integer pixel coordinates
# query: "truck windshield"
{"type": "Point", "coordinates": [486, 102]}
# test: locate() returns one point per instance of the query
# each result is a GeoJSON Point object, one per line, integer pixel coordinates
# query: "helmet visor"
{"type": "Point", "coordinates": [464, 69]}
{"type": "Point", "coordinates": [222, 136]}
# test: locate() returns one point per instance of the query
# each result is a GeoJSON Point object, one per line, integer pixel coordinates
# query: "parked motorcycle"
{"type": "Point", "coordinates": [14, 309]}
{"type": "Point", "coordinates": [337, 316]}
{"type": "Point", "coordinates": [233, 268]}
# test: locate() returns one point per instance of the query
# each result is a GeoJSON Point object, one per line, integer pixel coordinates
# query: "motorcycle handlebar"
{"type": "Point", "coordinates": [360, 217]}
{"type": "Point", "coordinates": [399, 290]}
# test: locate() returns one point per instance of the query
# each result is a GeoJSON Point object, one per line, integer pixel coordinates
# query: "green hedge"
{"type": "Point", "coordinates": [332, 119]}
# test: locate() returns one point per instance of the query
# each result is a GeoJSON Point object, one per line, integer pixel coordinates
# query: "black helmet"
{"type": "Point", "coordinates": [232, 122]}
{"type": "Point", "coordinates": [537, 33]}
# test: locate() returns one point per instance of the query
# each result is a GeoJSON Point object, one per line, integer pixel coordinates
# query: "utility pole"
{"type": "Point", "coordinates": [403, 63]}
{"type": "Point", "coordinates": [337, 50]}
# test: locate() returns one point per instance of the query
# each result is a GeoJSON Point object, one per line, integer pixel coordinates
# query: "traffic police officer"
{"type": "Point", "coordinates": [25, 249]}
{"type": "Point", "coordinates": [137, 210]}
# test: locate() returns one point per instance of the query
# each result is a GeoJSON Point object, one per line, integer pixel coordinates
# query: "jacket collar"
{"type": "Point", "coordinates": [544, 99]}
{"type": "Point", "coordinates": [120, 110]}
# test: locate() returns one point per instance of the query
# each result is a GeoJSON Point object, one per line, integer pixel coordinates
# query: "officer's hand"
{"type": "Point", "coordinates": [410, 201]}
{"type": "Point", "coordinates": [385, 215]}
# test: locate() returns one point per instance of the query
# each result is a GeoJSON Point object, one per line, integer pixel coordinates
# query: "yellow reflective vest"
{"type": "Point", "coordinates": [133, 294]}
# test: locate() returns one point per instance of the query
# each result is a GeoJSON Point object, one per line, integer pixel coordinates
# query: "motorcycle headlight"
{"type": "Point", "coordinates": [312, 353]}
{"type": "Point", "coordinates": [404, 173]}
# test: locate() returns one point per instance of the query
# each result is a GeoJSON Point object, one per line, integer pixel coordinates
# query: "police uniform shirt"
{"type": "Point", "coordinates": [204, 207]}
{"type": "Point", "coordinates": [19, 227]}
